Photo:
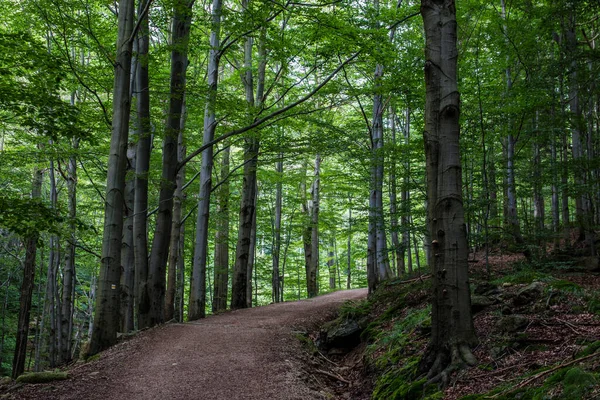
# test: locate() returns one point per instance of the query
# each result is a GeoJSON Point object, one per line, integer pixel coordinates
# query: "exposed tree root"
{"type": "Point", "coordinates": [446, 362]}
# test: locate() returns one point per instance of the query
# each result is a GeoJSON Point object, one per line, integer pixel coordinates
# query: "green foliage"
{"type": "Point", "coordinates": [572, 383]}
{"type": "Point", "coordinates": [391, 344]}
{"type": "Point", "coordinates": [355, 309]}
{"type": "Point", "coordinates": [27, 216]}
{"type": "Point", "coordinates": [564, 286]}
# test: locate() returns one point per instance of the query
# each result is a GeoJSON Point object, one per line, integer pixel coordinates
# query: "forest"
{"type": "Point", "coordinates": [164, 160]}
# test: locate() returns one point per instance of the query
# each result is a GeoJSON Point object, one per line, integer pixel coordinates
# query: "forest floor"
{"type": "Point", "coordinates": [244, 354]}
{"type": "Point", "coordinates": [538, 326]}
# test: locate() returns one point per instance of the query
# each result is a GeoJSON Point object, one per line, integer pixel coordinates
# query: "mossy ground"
{"type": "Point", "coordinates": [564, 324]}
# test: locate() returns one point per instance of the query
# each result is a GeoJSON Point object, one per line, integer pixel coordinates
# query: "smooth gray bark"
{"type": "Point", "coordinates": [313, 266]}
{"type": "Point", "coordinates": [68, 284]}
{"type": "Point", "coordinates": [197, 303]}
{"type": "Point", "coordinates": [106, 320]}
{"type": "Point", "coordinates": [275, 279]}
{"type": "Point", "coordinates": [142, 167]}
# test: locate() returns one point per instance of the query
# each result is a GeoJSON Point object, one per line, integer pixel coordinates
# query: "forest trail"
{"type": "Point", "coordinates": [243, 354]}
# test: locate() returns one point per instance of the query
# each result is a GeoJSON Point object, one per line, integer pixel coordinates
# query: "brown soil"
{"type": "Point", "coordinates": [245, 354]}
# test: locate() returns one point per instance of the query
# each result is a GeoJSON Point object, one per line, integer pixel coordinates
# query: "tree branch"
{"type": "Point", "coordinates": [260, 121]}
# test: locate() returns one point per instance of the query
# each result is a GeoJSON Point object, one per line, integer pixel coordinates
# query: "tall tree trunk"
{"type": "Point", "coordinates": [512, 219]}
{"type": "Point", "coordinates": [331, 262]}
{"type": "Point", "coordinates": [349, 250]}
{"type": "Point", "coordinates": [394, 227]}
{"type": "Point", "coordinates": [312, 270]}
{"type": "Point", "coordinates": [241, 278]}
{"type": "Point", "coordinates": [21, 340]}
{"type": "Point", "coordinates": [406, 209]}
{"type": "Point", "coordinates": [197, 305]}
{"type": "Point", "coordinates": [106, 320]}
{"type": "Point", "coordinates": [69, 269]}
{"type": "Point", "coordinates": [176, 238]}
{"type": "Point", "coordinates": [180, 293]}
{"type": "Point", "coordinates": [583, 215]}
{"type": "Point", "coordinates": [275, 280]}
{"type": "Point", "coordinates": [452, 323]}
{"type": "Point", "coordinates": [182, 18]}
{"type": "Point", "coordinates": [127, 252]}
{"type": "Point", "coordinates": [382, 260]}
{"type": "Point", "coordinates": [538, 197]}
{"type": "Point", "coordinates": [251, 271]}
{"type": "Point", "coordinates": [306, 232]}
{"type": "Point", "coordinates": [221, 261]}
{"type": "Point", "coordinates": [51, 278]}
{"type": "Point", "coordinates": [142, 167]}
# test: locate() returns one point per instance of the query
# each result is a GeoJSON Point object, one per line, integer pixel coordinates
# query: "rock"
{"type": "Point", "coordinates": [529, 294]}
{"type": "Point", "coordinates": [478, 303]}
{"type": "Point", "coordinates": [340, 333]}
{"type": "Point", "coordinates": [487, 289]}
{"type": "Point", "coordinates": [512, 323]}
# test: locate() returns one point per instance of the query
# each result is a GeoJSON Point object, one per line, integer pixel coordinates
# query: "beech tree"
{"type": "Point", "coordinates": [452, 332]}
{"type": "Point", "coordinates": [106, 318]}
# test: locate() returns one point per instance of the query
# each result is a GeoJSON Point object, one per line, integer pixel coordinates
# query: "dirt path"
{"type": "Point", "coordinates": [245, 354]}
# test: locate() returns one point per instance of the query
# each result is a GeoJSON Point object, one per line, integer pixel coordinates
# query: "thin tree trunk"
{"type": "Point", "coordinates": [406, 209]}
{"type": "Point", "coordinates": [51, 278]}
{"type": "Point", "coordinates": [106, 320]}
{"type": "Point", "coordinates": [349, 250]}
{"type": "Point", "coordinates": [512, 218]}
{"type": "Point", "coordinates": [221, 268]}
{"type": "Point", "coordinates": [198, 283]}
{"type": "Point", "coordinates": [306, 232]}
{"type": "Point", "coordinates": [162, 234]}
{"type": "Point", "coordinates": [21, 340]}
{"type": "Point", "coordinates": [127, 252]}
{"type": "Point", "coordinates": [176, 238]}
{"type": "Point", "coordinates": [251, 261]}
{"type": "Point", "coordinates": [69, 270]}
{"type": "Point", "coordinates": [313, 265]}
{"type": "Point", "coordinates": [142, 167]}
{"type": "Point", "coordinates": [275, 280]}
{"type": "Point", "coordinates": [331, 262]}
{"type": "Point", "coordinates": [395, 228]}
{"type": "Point", "coordinates": [240, 291]}
{"type": "Point", "coordinates": [182, 18]}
